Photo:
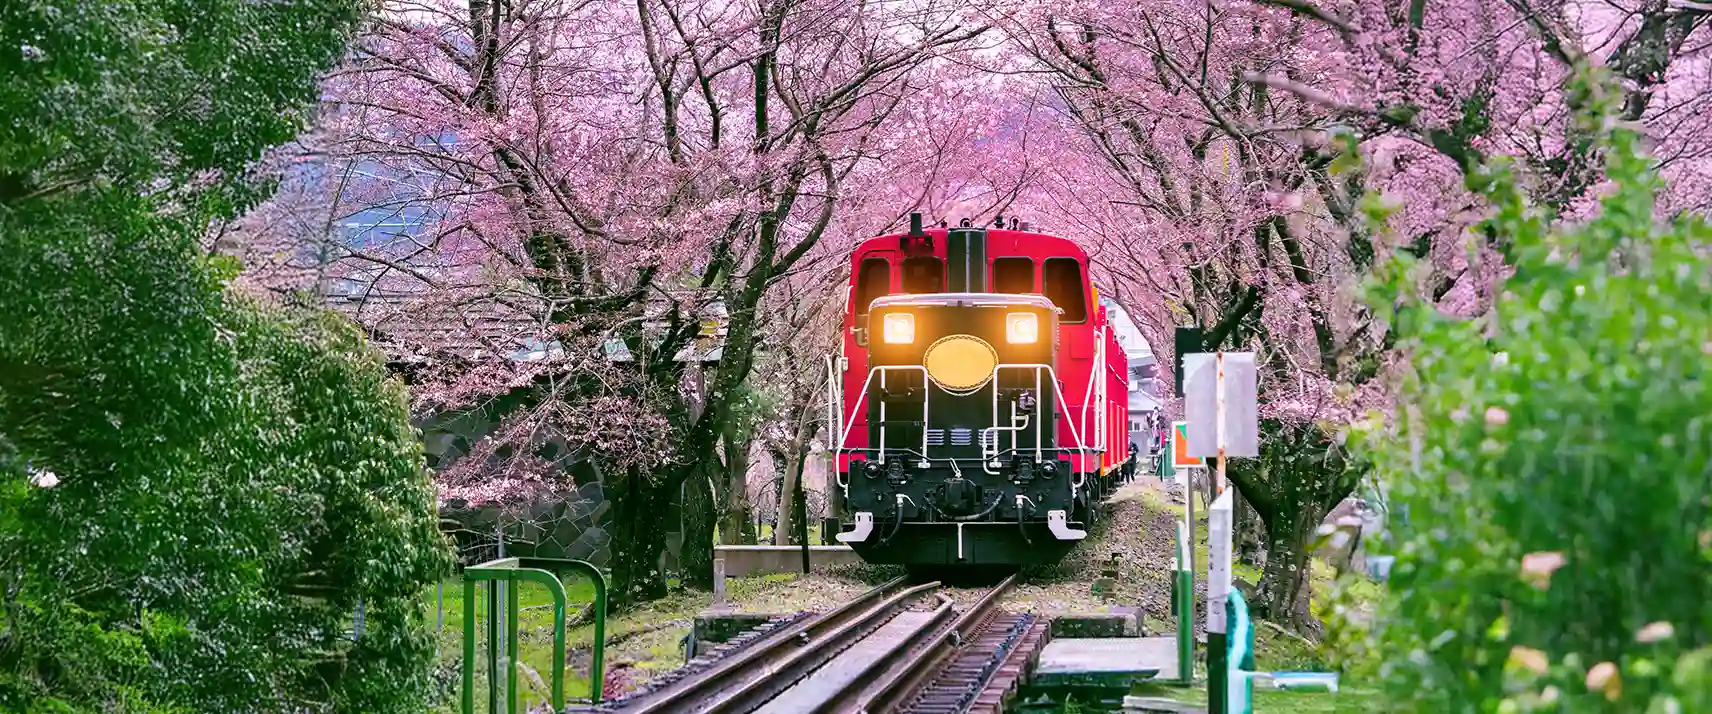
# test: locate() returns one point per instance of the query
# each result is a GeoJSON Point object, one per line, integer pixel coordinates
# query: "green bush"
{"type": "Point", "coordinates": [232, 478]}
{"type": "Point", "coordinates": [1548, 471]}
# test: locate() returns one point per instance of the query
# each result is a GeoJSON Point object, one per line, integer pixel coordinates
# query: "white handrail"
{"type": "Point", "coordinates": [844, 433]}
{"type": "Point", "coordinates": [1057, 393]}
{"type": "Point", "coordinates": [1014, 427]}
{"type": "Point", "coordinates": [834, 396]}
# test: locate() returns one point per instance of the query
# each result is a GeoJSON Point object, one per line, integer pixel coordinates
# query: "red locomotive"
{"type": "Point", "coordinates": [979, 401]}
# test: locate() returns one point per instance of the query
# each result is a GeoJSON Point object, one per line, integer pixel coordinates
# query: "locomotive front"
{"type": "Point", "coordinates": [962, 407]}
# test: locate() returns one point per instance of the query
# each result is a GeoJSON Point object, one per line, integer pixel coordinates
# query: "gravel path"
{"type": "Point", "coordinates": [1137, 535]}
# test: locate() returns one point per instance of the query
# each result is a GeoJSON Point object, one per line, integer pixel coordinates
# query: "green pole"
{"type": "Point", "coordinates": [494, 613]}
{"type": "Point", "coordinates": [1185, 603]}
{"type": "Point", "coordinates": [598, 669]}
{"type": "Point", "coordinates": [511, 646]}
{"type": "Point", "coordinates": [1218, 672]}
{"type": "Point", "coordinates": [469, 663]}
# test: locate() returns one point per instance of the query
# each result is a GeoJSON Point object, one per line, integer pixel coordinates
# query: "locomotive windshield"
{"type": "Point", "coordinates": [875, 281]}
{"type": "Point", "coordinates": [924, 275]}
{"type": "Point", "coordinates": [1062, 280]}
{"type": "Point", "coordinates": [1013, 275]}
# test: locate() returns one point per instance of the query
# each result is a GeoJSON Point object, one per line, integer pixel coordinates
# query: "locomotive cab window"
{"type": "Point", "coordinates": [1061, 280]}
{"type": "Point", "coordinates": [874, 281]}
{"type": "Point", "coordinates": [923, 274]}
{"type": "Point", "coordinates": [1013, 276]}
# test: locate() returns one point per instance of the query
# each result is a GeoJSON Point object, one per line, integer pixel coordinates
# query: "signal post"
{"type": "Point", "coordinates": [1219, 392]}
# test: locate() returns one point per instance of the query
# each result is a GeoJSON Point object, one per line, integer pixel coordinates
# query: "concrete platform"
{"type": "Point", "coordinates": [1120, 622]}
{"type": "Point", "coordinates": [1159, 705]}
{"type": "Point", "coordinates": [1105, 662]}
{"type": "Point", "coordinates": [753, 560]}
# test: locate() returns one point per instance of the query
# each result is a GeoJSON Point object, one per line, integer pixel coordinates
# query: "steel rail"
{"type": "Point", "coordinates": [741, 675]}
{"type": "Point", "coordinates": [910, 664]}
{"type": "Point", "coordinates": [845, 696]}
{"type": "Point", "coordinates": [784, 673]}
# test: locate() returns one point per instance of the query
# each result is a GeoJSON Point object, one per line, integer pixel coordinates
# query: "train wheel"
{"type": "Point", "coordinates": [1090, 511]}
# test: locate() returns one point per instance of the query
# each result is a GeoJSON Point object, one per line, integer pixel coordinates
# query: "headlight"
{"type": "Point", "coordinates": [898, 328]}
{"type": "Point", "coordinates": [1022, 328]}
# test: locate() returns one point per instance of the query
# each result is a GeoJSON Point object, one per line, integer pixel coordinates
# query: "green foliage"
{"type": "Point", "coordinates": [1548, 470]}
{"type": "Point", "coordinates": [232, 477]}
{"type": "Point", "coordinates": [125, 92]}
{"type": "Point", "coordinates": [1347, 609]}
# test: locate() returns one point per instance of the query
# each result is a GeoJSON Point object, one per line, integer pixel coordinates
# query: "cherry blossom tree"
{"type": "Point", "coordinates": [603, 175]}
{"type": "Point", "coordinates": [1217, 202]}
{"type": "Point", "coordinates": [1431, 89]}
{"type": "Point", "coordinates": [1230, 158]}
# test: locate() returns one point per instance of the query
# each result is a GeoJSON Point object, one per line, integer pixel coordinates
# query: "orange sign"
{"type": "Point", "coordinates": [1180, 458]}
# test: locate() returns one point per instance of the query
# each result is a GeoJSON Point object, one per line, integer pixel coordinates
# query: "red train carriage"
{"type": "Point", "coordinates": [979, 399]}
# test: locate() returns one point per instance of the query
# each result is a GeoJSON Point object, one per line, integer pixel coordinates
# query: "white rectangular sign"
{"type": "Point", "coordinates": [1201, 398]}
{"type": "Point", "coordinates": [1219, 524]}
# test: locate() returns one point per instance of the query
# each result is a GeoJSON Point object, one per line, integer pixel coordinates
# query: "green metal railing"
{"type": "Point", "coordinates": [1183, 604]}
{"type": "Point", "coordinates": [511, 572]}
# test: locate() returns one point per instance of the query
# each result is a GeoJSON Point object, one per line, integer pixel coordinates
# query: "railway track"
{"type": "Point", "coordinates": [896, 648]}
{"type": "Point", "coordinates": [945, 670]}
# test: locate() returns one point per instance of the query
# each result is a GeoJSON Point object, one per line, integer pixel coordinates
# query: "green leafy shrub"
{"type": "Point", "coordinates": [228, 479]}
{"type": "Point", "coordinates": [1548, 471]}
{"type": "Point", "coordinates": [231, 479]}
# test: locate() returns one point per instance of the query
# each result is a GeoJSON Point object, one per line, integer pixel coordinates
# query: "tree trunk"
{"type": "Point", "coordinates": [735, 525]}
{"type": "Point", "coordinates": [698, 520]}
{"type": "Point", "coordinates": [784, 522]}
{"type": "Point", "coordinates": [638, 531]}
{"type": "Point", "coordinates": [1281, 581]}
{"type": "Point", "coordinates": [794, 459]}
{"type": "Point", "coordinates": [1299, 476]}
{"type": "Point", "coordinates": [1250, 533]}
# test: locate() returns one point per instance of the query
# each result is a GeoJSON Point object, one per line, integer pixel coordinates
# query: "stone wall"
{"type": "Point", "coordinates": [568, 526]}
{"type": "Point", "coordinates": [571, 524]}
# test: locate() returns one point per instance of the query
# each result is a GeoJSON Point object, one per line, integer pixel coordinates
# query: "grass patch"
{"type": "Point", "coordinates": [764, 533]}
{"type": "Point", "coordinates": [650, 638]}
{"type": "Point", "coordinates": [1272, 701]}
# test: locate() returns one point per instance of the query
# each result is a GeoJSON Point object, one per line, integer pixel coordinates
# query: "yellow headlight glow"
{"type": "Point", "coordinates": [1022, 328]}
{"type": "Point", "coordinates": [960, 363]}
{"type": "Point", "coordinates": [898, 328]}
